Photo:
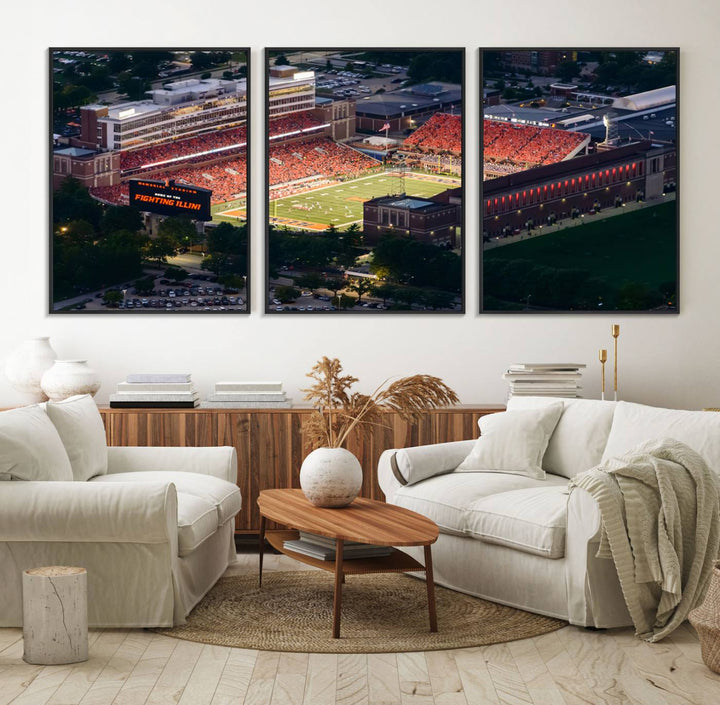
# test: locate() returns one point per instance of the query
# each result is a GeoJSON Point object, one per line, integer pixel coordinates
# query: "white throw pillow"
{"type": "Point", "coordinates": [579, 439]}
{"type": "Point", "coordinates": [513, 442]}
{"type": "Point", "coordinates": [30, 447]}
{"type": "Point", "coordinates": [634, 424]}
{"type": "Point", "coordinates": [81, 429]}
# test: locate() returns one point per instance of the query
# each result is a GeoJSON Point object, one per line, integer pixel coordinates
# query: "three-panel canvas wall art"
{"type": "Point", "coordinates": [366, 198]}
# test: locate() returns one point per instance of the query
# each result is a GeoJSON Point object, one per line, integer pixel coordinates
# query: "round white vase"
{"type": "Point", "coordinates": [25, 366]}
{"type": "Point", "coordinates": [66, 378]}
{"type": "Point", "coordinates": [331, 477]}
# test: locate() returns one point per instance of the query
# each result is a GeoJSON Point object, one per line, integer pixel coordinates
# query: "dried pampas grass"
{"type": "Point", "coordinates": [338, 410]}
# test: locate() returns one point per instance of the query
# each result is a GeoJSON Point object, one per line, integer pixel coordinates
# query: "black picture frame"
{"type": "Point", "coordinates": [184, 143]}
{"type": "Point", "coordinates": [584, 261]}
{"type": "Point", "coordinates": [375, 109]}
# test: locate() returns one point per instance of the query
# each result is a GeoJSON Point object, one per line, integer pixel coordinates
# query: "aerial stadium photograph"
{"type": "Point", "coordinates": [579, 180]}
{"type": "Point", "coordinates": [149, 180]}
{"type": "Point", "coordinates": [364, 180]}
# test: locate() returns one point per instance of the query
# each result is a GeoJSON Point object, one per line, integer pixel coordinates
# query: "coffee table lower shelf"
{"type": "Point", "coordinates": [396, 562]}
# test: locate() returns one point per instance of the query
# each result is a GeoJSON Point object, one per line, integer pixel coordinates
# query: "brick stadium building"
{"type": "Point", "coordinates": [434, 220]}
{"type": "Point", "coordinates": [544, 62]}
{"type": "Point", "coordinates": [178, 112]}
{"type": "Point", "coordinates": [601, 180]}
{"type": "Point", "coordinates": [90, 167]}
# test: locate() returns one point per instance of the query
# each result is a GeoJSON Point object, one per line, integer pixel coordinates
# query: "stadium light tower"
{"type": "Point", "coordinates": [611, 129]}
{"type": "Point", "coordinates": [399, 172]}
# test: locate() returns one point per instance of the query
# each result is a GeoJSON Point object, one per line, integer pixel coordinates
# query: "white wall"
{"type": "Point", "coordinates": [665, 360]}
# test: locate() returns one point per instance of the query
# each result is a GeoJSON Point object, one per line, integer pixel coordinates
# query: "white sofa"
{"type": "Point", "coordinates": [154, 527]}
{"type": "Point", "coordinates": [527, 541]}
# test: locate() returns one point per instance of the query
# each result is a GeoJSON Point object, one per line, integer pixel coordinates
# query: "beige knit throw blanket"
{"type": "Point", "coordinates": [659, 506]}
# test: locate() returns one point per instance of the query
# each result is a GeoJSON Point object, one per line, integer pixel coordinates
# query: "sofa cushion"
{"type": "Point", "coordinates": [513, 442]}
{"type": "Point", "coordinates": [411, 465]}
{"type": "Point", "coordinates": [446, 499]}
{"type": "Point", "coordinates": [532, 520]}
{"type": "Point", "coordinates": [81, 429]}
{"type": "Point", "coordinates": [580, 437]}
{"type": "Point", "coordinates": [197, 521]}
{"type": "Point", "coordinates": [30, 447]}
{"type": "Point", "coordinates": [223, 495]}
{"type": "Point", "coordinates": [634, 424]}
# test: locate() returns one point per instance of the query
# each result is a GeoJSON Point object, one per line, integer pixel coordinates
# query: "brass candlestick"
{"type": "Point", "coordinates": [615, 330]}
{"type": "Point", "coordinates": [603, 360]}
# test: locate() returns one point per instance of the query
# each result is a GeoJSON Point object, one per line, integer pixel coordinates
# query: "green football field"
{"type": "Point", "coordinates": [342, 204]}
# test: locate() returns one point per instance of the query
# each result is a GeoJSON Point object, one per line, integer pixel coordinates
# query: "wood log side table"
{"type": "Point", "coordinates": [55, 623]}
{"type": "Point", "coordinates": [365, 521]}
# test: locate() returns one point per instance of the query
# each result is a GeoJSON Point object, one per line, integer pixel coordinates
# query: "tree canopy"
{"type": "Point", "coordinates": [436, 66]}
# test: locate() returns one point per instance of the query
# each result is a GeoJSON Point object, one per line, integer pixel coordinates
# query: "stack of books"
{"type": "Point", "coordinates": [155, 391]}
{"type": "Point", "coordinates": [247, 395]}
{"type": "Point", "coordinates": [323, 548]}
{"type": "Point", "coordinates": [544, 379]}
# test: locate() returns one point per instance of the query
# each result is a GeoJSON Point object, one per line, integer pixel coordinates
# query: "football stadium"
{"type": "Point", "coordinates": [165, 132]}
{"type": "Point", "coordinates": [202, 154]}
{"type": "Point", "coordinates": [321, 171]}
{"type": "Point", "coordinates": [341, 204]}
{"type": "Point", "coordinates": [579, 186]}
{"type": "Point", "coordinates": [373, 148]}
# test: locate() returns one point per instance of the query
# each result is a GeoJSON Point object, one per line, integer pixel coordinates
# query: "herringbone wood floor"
{"type": "Point", "coordinates": [570, 666]}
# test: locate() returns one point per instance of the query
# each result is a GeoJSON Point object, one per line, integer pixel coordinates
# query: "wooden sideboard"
{"type": "Point", "coordinates": [270, 443]}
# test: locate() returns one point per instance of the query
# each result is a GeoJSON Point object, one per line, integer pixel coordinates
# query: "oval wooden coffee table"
{"type": "Point", "coordinates": [366, 521]}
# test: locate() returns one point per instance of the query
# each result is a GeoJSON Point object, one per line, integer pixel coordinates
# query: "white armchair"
{"type": "Point", "coordinates": [154, 532]}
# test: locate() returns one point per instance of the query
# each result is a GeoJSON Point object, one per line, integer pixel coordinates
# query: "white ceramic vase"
{"type": "Point", "coordinates": [25, 366]}
{"type": "Point", "coordinates": [66, 378]}
{"type": "Point", "coordinates": [331, 477]}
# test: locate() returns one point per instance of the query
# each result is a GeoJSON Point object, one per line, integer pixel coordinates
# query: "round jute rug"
{"type": "Point", "coordinates": [380, 613]}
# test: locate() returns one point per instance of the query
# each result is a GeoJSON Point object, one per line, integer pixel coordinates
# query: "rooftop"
{"type": "Point", "coordinates": [528, 115]}
{"type": "Point", "coordinates": [75, 152]}
{"type": "Point", "coordinates": [122, 111]}
{"type": "Point", "coordinates": [385, 105]}
{"type": "Point", "coordinates": [410, 203]}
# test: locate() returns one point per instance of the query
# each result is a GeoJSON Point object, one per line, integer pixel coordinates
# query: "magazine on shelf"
{"type": "Point", "coordinates": [221, 387]}
{"type": "Point", "coordinates": [142, 404]}
{"type": "Point", "coordinates": [327, 553]}
{"type": "Point", "coordinates": [159, 378]}
{"type": "Point", "coordinates": [248, 396]}
{"type": "Point", "coordinates": [326, 540]}
{"type": "Point", "coordinates": [211, 404]}
{"type": "Point", "coordinates": [155, 387]}
{"type": "Point", "coordinates": [545, 376]}
{"type": "Point", "coordinates": [155, 396]}
{"type": "Point", "coordinates": [544, 366]}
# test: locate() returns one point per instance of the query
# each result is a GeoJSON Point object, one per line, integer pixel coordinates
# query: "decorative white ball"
{"type": "Point", "coordinates": [331, 477]}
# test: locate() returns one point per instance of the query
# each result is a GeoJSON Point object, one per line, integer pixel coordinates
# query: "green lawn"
{"type": "Point", "coordinates": [636, 248]}
{"type": "Point", "coordinates": [342, 204]}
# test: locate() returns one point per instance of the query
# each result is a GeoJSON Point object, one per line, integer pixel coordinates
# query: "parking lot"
{"type": "Point", "coordinates": [353, 84]}
{"type": "Point", "coordinates": [197, 293]}
{"type": "Point", "coordinates": [192, 297]}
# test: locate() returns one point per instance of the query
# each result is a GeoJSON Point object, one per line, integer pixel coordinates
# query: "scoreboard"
{"type": "Point", "coordinates": [169, 198]}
